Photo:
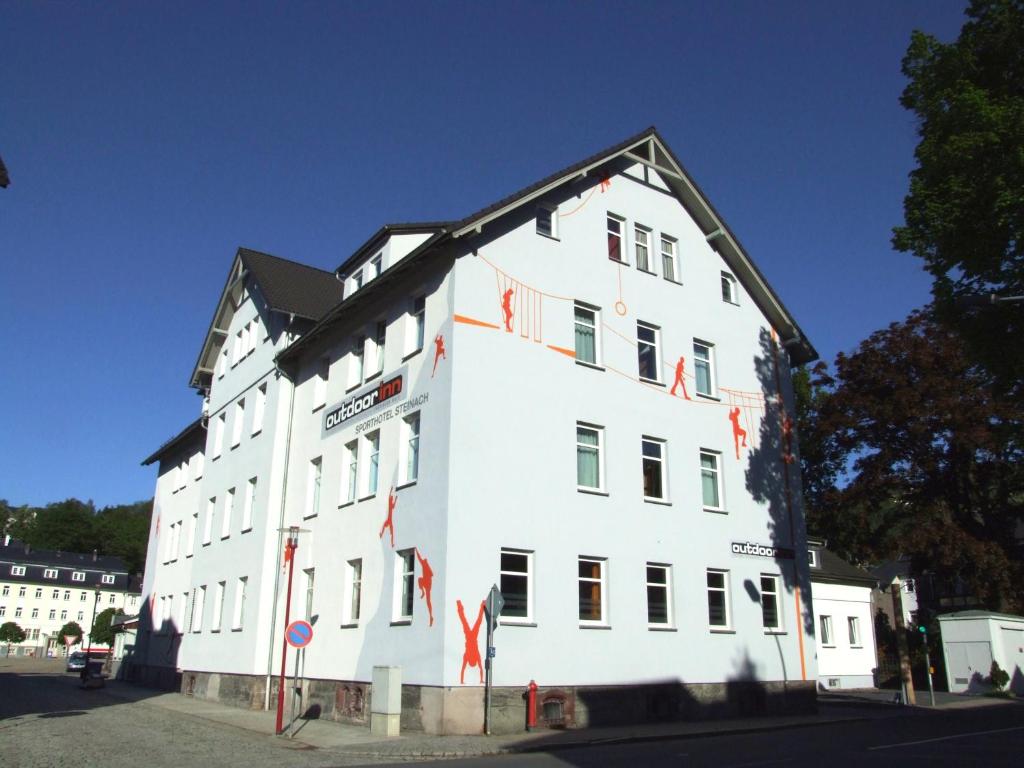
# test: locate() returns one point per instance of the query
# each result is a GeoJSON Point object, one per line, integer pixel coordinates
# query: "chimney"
{"type": "Point", "coordinates": [94, 555]}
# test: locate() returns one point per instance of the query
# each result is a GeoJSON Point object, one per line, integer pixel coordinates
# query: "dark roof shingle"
{"type": "Point", "coordinates": [292, 287]}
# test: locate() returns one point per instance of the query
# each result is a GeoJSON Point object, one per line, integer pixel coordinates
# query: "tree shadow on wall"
{"type": "Point", "coordinates": [773, 473]}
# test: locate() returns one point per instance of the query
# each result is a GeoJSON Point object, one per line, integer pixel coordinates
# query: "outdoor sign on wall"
{"type": "Point", "coordinates": [761, 550]}
{"type": "Point", "coordinates": [366, 400]}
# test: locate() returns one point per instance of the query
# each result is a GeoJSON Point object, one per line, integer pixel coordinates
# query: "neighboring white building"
{"type": "Point", "coordinates": [42, 590]}
{"type": "Point", "coordinates": [579, 393]}
{"type": "Point", "coordinates": [847, 655]}
{"type": "Point", "coordinates": [972, 640]}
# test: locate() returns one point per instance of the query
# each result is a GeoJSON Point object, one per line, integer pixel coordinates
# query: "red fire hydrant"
{"type": "Point", "coordinates": [531, 706]}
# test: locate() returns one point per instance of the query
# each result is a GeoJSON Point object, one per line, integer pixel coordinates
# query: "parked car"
{"type": "Point", "coordinates": [77, 661]}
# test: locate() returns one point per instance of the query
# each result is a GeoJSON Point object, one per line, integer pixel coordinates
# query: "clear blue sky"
{"type": "Point", "coordinates": [145, 142]}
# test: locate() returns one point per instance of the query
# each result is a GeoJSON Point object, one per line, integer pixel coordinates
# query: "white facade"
{"type": "Point", "coordinates": [536, 435]}
{"type": "Point", "coordinates": [972, 640]}
{"type": "Point", "coordinates": [847, 654]}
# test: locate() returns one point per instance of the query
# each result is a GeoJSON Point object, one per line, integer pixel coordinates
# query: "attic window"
{"type": "Point", "coordinates": [50, 573]}
{"type": "Point", "coordinates": [375, 265]}
{"type": "Point", "coordinates": [17, 570]}
{"type": "Point", "coordinates": [107, 578]}
{"type": "Point", "coordinates": [547, 222]}
{"type": "Point", "coordinates": [729, 292]}
{"type": "Point", "coordinates": [812, 558]}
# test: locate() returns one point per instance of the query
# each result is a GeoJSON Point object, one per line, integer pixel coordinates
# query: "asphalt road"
{"type": "Point", "coordinates": [991, 736]}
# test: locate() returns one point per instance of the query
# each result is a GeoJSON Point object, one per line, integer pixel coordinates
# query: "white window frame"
{"type": "Point", "coordinates": [357, 279]}
{"type": "Point", "coordinates": [618, 232]}
{"type": "Point", "coordinates": [417, 324]}
{"type": "Point", "coordinates": [253, 328]}
{"type": "Point", "coordinates": [218, 435]}
{"type": "Point", "coordinates": [260, 409]}
{"type": "Point", "coordinates": [596, 328]}
{"type": "Point", "coordinates": [599, 448]}
{"type": "Point", "coordinates": [199, 459]}
{"type": "Point", "coordinates": [218, 607]}
{"type": "Point", "coordinates": [211, 510]}
{"type": "Point", "coordinates": [661, 460]}
{"type": "Point", "coordinates": [249, 504]}
{"type": "Point", "coordinates": [528, 574]}
{"type": "Point", "coordinates": [411, 447]}
{"type": "Point", "coordinates": [229, 508]}
{"type": "Point", "coordinates": [190, 548]}
{"type": "Point", "coordinates": [376, 265]}
{"type": "Point", "coordinates": [371, 450]}
{"type": "Point", "coordinates": [602, 583]}
{"type": "Point", "coordinates": [656, 344]}
{"type": "Point", "coordinates": [730, 288]}
{"type": "Point", "coordinates": [547, 218]}
{"type": "Point", "coordinates": [666, 569]}
{"type": "Point", "coordinates": [669, 249]}
{"type": "Point", "coordinates": [642, 244]}
{"type": "Point", "coordinates": [78, 576]}
{"type": "Point", "coordinates": [236, 349]}
{"type": "Point", "coordinates": [827, 635]}
{"type": "Point", "coordinates": [353, 591]}
{"type": "Point", "coordinates": [310, 574]}
{"type": "Point", "coordinates": [236, 428]}
{"type": "Point", "coordinates": [812, 558]}
{"type": "Point", "coordinates": [357, 362]}
{"type": "Point", "coordinates": [719, 484]}
{"type": "Point", "coordinates": [405, 584]}
{"type": "Point", "coordinates": [17, 570]}
{"type": "Point", "coordinates": [238, 615]}
{"type": "Point", "coordinates": [50, 573]}
{"type": "Point", "coordinates": [379, 341]}
{"type": "Point", "coordinates": [222, 362]}
{"type": "Point", "coordinates": [198, 608]}
{"type": "Point", "coordinates": [314, 486]}
{"type": "Point", "coordinates": [320, 377]}
{"type": "Point", "coordinates": [775, 594]}
{"type": "Point", "coordinates": [727, 603]}
{"type": "Point", "coordinates": [350, 477]}
{"type": "Point", "coordinates": [853, 631]}
{"type": "Point", "coordinates": [708, 361]}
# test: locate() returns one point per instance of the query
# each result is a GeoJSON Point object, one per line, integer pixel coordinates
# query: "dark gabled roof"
{"type": "Point", "coordinates": [376, 240]}
{"type": "Point", "coordinates": [291, 287]}
{"type": "Point", "coordinates": [834, 570]}
{"type": "Point", "coordinates": [196, 431]}
{"type": "Point", "coordinates": [18, 554]}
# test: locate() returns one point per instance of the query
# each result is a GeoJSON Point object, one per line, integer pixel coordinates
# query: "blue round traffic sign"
{"type": "Point", "coordinates": [298, 634]}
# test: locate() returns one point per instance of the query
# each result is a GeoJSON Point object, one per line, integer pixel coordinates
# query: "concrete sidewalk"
{"type": "Point", "coordinates": [357, 741]}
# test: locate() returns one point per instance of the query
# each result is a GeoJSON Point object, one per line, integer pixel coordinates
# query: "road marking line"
{"type": "Point", "coordinates": [947, 738]}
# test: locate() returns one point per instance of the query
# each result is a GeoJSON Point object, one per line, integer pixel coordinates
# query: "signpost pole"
{"type": "Point", "coordinates": [495, 602]}
{"type": "Point", "coordinates": [291, 546]}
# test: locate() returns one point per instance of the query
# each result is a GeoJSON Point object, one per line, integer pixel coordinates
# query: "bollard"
{"type": "Point", "coordinates": [531, 706]}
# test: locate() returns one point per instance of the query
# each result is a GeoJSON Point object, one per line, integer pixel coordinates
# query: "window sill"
{"type": "Point", "coordinates": [407, 484]}
{"type": "Point", "coordinates": [776, 632]}
{"type": "Point", "coordinates": [214, 631]}
{"type": "Point", "coordinates": [618, 261]}
{"type": "Point", "coordinates": [721, 631]}
{"type": "Point", "coordinates": [716, 398]}
{"type": "Point", "coordinates": [214, 458]}
{"type": "Point", "coordinates": [372, 376]}
{"type": "Point", "coordinates": [235, 445]}
{"type": "Point", "coordinates": [354, 387]}
{"type": "Point", "coordinates": [659, 502]}
{"type": "Point", "coordinates": [716, 511]}
{"type": "Point", "coordinates": [824, 645]}
{"type": "Point", "coordinates": [368, 497]}
{"type": "Point", "coordinates": [206, 543]}
{"type": "Point", "coordinates": [228, 536]}
{"type": "Point", "coordinates": [410, 355]}
{"type": "Point", "coordinates": [254, 434]}
{"type": "Point", "coordinates": [401, 623]}
{"type": "Point", "coordinates": [310, 516]}
{"type": "Point", "coordinates": [729, 301]}
{"type": "Point", "coordinates": [673, 281]}
{"type": "Point", "coordinates": [592, 491]}
{"type": "Point", "coordinates": [349, 626]}
{"type": "Point", "coordinates": [236, 629]}
{"type": "Point", "coordinates": [852, 647]}
{"type": "Point", "coordinates": [189, 555]}
{"type": "Point", "coordinates": [647, 272]}
{"type": "Point", "coordinates": [550, 237]}
{"type": "Point", "coordinates": [348, 503]}
{"type": "Point", "coordinates": [594, 626]}
{"type": "Point", "coordinates": [247, 530]}
{"type": "Point", "coordinates": [511, 623]}
{"type": "Point", "coordinates": [317, 407]}
{"type": "Point", "coordinates": [655, 382]}
{"type": "Point", "coordinates": [661, 629]}
{"type": "Point", "coordinates": [585, 364]}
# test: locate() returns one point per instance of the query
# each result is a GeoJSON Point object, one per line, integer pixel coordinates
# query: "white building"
{"type": "Point", "coordinates": [579, 393]}
{"type": "Point", "coordinates": [42, 590]}
{"type": "Point", "coordinates": [847, 653]}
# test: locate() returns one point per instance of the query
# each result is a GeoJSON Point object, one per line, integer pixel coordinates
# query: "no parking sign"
{"type": "Point", "coordinates": [298, 634]}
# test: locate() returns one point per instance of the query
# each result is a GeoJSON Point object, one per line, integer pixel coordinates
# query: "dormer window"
{"type": "Point", "coordinates": [17, 570]}
{"type": "Point", "coordinates": [547, 222]}
{"type": "Point", "coordinates": [357, 280]}
{"type": "Point", "coordinates": [50, 573]}
{"type": "Point", "coordinates": [375, 265]}
{"type": "Point", "coordinates": [78, 576]}
{"type": "Point", "coordinates": [729, 289]}
{"type": "Point", "coordinates": [812, 558]}
{"type": "Point", "coordinates": [107, 578]}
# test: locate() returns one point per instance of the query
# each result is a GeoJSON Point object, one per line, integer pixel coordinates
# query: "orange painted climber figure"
{"type": "Point", "coordinates": [506, 307]}
{"type": "Point", "coordinates": [390, 522]}
{"type": "Point", "coordinates": [471, 655]}
{"type": "Point", "coordinates": [425, 582]}
{"type": "Point", "coordinates": [606, 182]}
{"type": "Point", "coordinates": [438, 352]}
{"type": "Point", "coordinates": [738, 432]}
{"type": "Point", "coordinates": [680, 380]}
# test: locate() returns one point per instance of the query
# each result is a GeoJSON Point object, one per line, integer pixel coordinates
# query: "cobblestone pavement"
{"type": "Point", "coordinates": [47, 720]}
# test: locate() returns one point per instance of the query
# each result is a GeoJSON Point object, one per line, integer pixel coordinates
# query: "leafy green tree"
{"type": "Point", "coordinates": [102, 634]}
{"type": "Point", "coordinates": [66, 525]}
{"type": "Point", "coordinates": [72, 629]}
{"type": "Point", "coordinates": [123, 530]}
{"type": "Point", "coordinates": [964, 213]}
{"type": "Point", "coordinates": [934, 465]}
{"type": "Point", "coordinates": [10, 632]}
{"type": "Point", "coordinates": [821, 461]}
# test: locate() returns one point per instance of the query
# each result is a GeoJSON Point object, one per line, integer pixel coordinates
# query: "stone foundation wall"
{"type": "Point", "coordinates": [460, 710]}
